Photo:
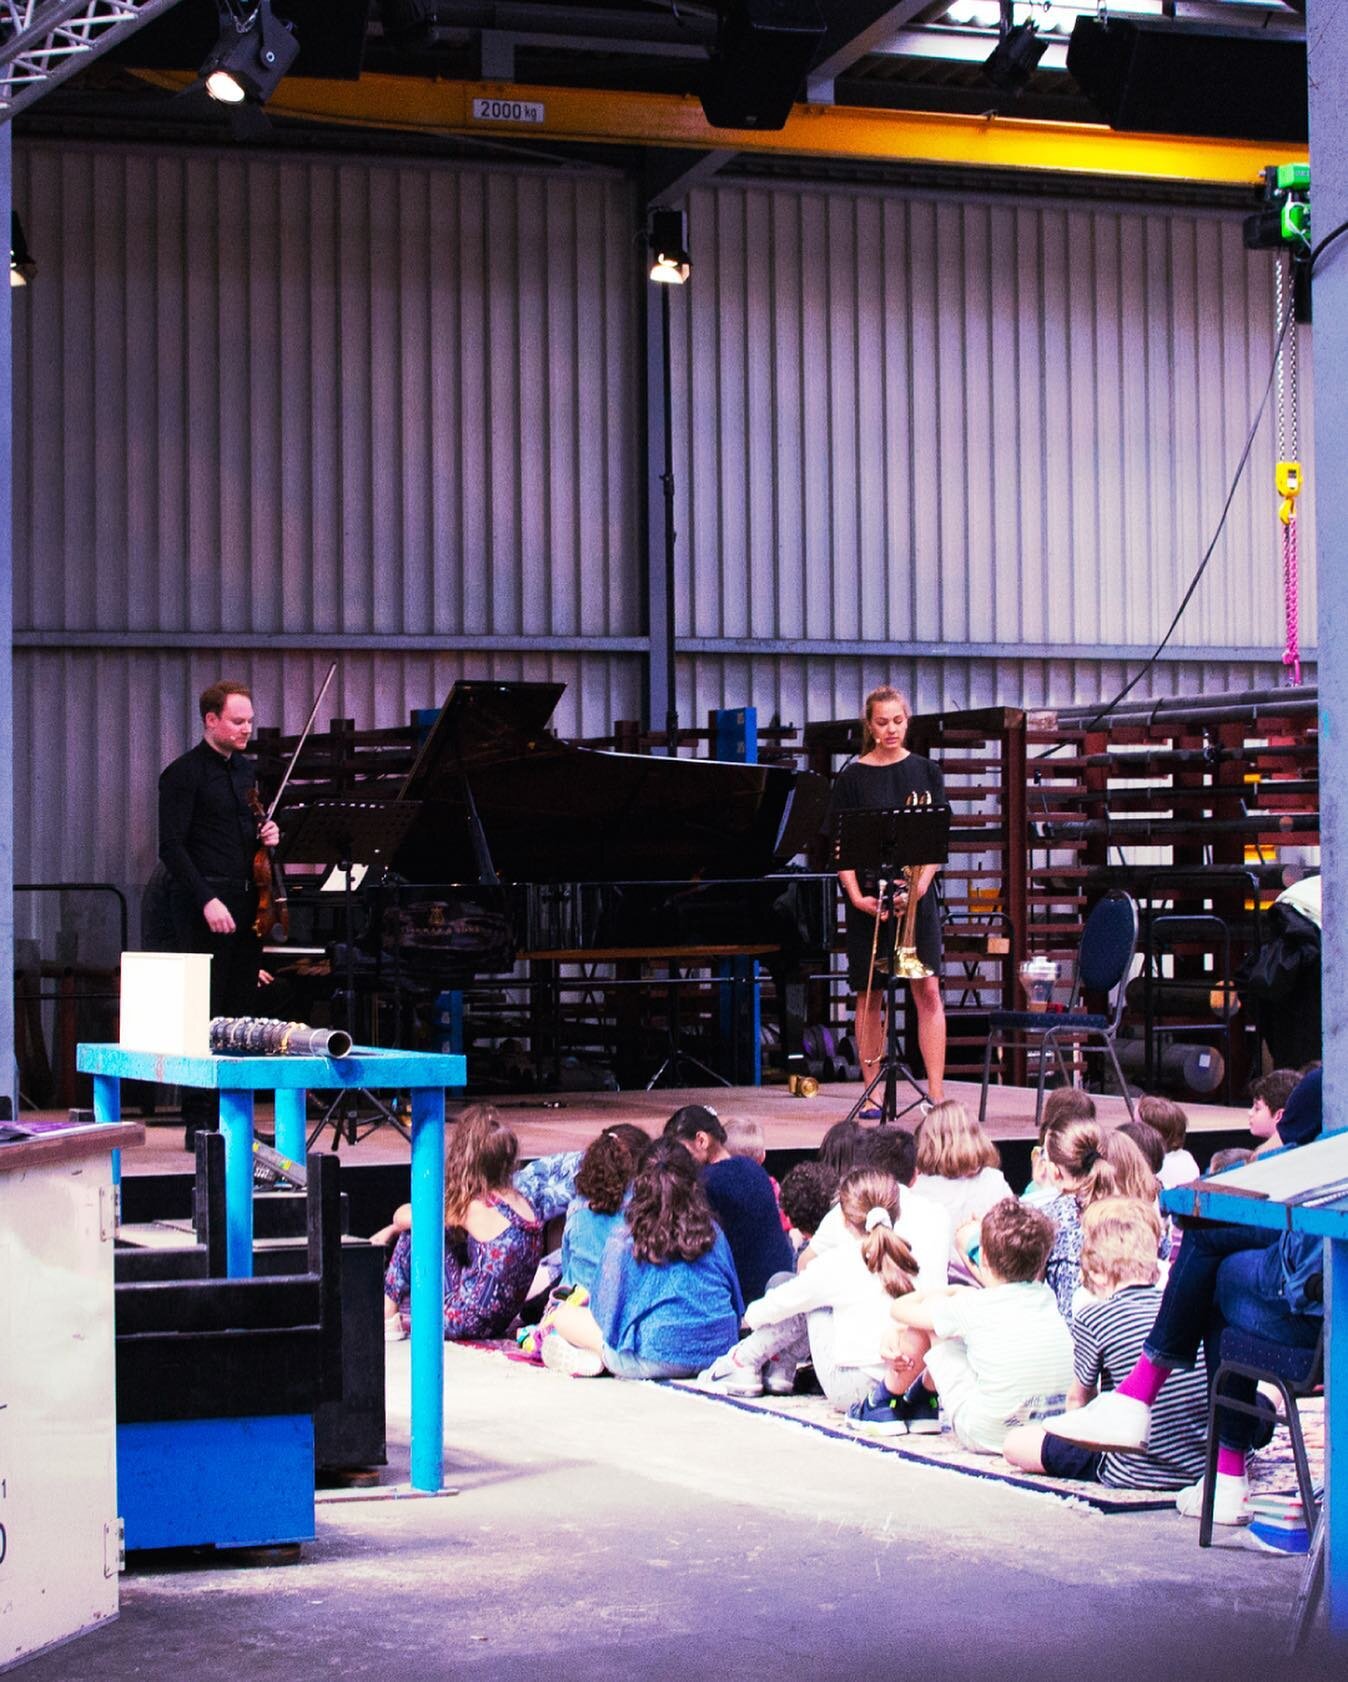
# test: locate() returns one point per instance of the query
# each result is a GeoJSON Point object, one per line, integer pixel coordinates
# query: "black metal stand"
{"type": "Point", "coordinates": [892, 1064]}
{"type": "Point", "coordinates": [675, 1056]}
{"type": "Point", "coordinates": [881, 842]}
{"type": "Point", "coordinates": [352, 832]}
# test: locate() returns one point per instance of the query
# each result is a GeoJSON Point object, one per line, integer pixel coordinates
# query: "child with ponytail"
{"type": "Point", "coordinates": [832, 1314]}
{"type": "Point", "coordinates": [1087, 1161]}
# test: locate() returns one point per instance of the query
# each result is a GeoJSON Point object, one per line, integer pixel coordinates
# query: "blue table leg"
{"type": "Point", "coordinates": [108, 1107]}
{"type": "Point", "coordinates": [1336, 1425]}
{"type": "Point", "coordinates": [236, 1123]}
{"type": "Point", "coordinates": [428, 1287]}
{"type": "Point", "coordinates": [290, 1131]}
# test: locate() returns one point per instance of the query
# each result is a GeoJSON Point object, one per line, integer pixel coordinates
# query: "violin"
{"type": "Point", "coordinates": [272, 919]}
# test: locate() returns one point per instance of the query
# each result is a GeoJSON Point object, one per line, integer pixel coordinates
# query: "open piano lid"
{"type": "Point", "coordinates": [554, 812]}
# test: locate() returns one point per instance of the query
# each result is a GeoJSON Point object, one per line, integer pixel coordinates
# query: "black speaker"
{"type": "Point", "coordinates": [1180, 78]}
{"type": "Point", "coordinates": [764, 50]}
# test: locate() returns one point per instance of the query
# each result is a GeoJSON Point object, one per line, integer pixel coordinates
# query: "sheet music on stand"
{"type": "Point", "coordinates": [872, 839]}
{"type": "Point", "coordinates": [1310, 1175]}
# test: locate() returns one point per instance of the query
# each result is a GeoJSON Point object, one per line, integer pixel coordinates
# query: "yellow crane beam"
{"type": "Point", "coordinates": [605, 117]}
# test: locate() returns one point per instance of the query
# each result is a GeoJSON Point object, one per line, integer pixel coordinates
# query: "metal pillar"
{"type": "Point", "coordinates": [660, 688]}
{"type": "Point", "coordinates": [1327, 70]}
{"type": "Point", "coordinates": [8, 1077]}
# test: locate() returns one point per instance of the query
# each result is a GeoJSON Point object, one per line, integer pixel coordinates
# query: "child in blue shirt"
{"type": "Point", "coordinates": [667, 1301]}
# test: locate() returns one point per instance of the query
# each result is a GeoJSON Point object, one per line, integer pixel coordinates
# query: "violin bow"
{"type": "Point", "coordinates": [304, 737]}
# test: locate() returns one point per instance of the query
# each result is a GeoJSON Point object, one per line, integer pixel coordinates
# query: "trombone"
{"type": "Point", "coordinates": [905, 965]}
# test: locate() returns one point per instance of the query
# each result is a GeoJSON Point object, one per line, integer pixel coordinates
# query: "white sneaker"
{"type": "Point", "coordinates": [779, 1378]}
{"type": "Point", "coordinates": [561, 1356]}
{"type": "Point", "coordinates": [730, 1378]}
{"type": "Point", "coordinates": [1110, 1421]}
{"type": "Point", "coordinates": [1230, 1503]}
{"type": "Point", "coordinates": [394, 1330]}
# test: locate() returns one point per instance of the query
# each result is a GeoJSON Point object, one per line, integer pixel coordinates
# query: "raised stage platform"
{"type": "Point", "coordinates": [563, 1122]}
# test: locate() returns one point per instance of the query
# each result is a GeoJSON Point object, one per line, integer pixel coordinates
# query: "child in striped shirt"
{"type": "Point", "coordinates": [1119, 1268]}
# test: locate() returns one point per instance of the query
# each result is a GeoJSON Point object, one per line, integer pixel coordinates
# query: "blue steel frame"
{"type": "Point", "coordinates": [1331, 1224]}
{"type": "Point", "coordinates": [238, 1079]}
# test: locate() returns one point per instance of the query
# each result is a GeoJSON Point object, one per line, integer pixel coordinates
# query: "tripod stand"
{"type": "Point", "coordinates": [351, 831]}
{"type": "Point", "coordinates": [879, 843]}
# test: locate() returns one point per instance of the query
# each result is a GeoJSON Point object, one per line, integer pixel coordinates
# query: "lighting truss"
{"type": "Point", "coordinates": [44, 41]}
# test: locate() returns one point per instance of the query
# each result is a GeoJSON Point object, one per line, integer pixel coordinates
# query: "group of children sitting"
{"type": "Point", "coordinates": [900, 1268]}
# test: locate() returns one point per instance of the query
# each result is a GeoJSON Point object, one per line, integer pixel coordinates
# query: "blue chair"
{"type": "Point", "coordinates": [1108, 944]}
{"type": "Point", "coordinates": [1293, 1373]}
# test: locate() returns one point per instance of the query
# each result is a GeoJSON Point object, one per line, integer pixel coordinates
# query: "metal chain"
{"type": "Point", "coordinates": [1277, 332]}
{"type": "Point", "coordinates": [1292, 421]}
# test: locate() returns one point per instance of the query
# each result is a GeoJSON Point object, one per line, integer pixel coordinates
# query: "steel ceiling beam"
{"type": "Point", "coordinates": [44, 41]}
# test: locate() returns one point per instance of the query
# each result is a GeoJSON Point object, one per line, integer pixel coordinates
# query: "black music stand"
{"type": "Point", "coordinates": [880, 842]}
{"type": "Point", "coordinates": [347, 833]}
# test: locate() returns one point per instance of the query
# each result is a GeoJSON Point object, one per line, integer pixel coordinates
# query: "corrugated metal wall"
{"type": "Point", "coordinates": [268, 409]}
{"type": "Point", "coordinates": [922, 418]}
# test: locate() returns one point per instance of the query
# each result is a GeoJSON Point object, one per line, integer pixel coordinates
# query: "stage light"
{"type": "Point", "coordinates": [670, 264]}
{"type": "Point", "coordinates": [255, 50]}
{"type": "Point", "coordinates": [1012, 61]}
{"type": "Point", "coordinates": [22, 268]}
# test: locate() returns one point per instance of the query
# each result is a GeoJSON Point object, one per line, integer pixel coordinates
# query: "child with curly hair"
{"type": "Point", "coordinates": [493, 1238]}
{"type": "Point", "coordinates": [667, 1300]}
{"type": "Point", "coordinates": [595, 1212]}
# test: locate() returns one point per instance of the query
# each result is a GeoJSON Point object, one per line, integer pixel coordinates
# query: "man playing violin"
{"type": "Point", "coordinates": [208, 837]}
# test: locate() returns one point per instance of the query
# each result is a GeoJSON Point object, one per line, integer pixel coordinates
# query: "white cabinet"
{"type": "Point", "coordinates": [58, 1494]}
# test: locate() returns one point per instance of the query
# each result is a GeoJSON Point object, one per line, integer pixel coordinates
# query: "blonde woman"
{"type": "Point", "coordinates": [884, 777]}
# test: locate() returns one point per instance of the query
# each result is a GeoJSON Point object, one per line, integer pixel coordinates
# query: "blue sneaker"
{"type": "Point", "coordinates": [877, 1416]}
{"type": "Point", "coordinates": [920, 1410]}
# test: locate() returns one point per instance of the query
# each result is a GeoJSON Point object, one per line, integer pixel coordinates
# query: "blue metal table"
{"type": "Point", "coordinates": [1214, 1204]}
{"type": "Point", "coordinates": [238, 1080]}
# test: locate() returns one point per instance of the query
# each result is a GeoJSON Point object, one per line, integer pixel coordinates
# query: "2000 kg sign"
{"type": "Point", "coordinates": [508, 111]}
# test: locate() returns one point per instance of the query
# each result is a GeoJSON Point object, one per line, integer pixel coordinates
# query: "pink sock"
{"type": "Point", "coordinates": [1144, 1383]}
{"type": "Point", "coordinates": [1230, 1462]}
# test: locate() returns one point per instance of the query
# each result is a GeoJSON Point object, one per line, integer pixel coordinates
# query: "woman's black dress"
{"type": "Point", "coordinates": [859, 787]}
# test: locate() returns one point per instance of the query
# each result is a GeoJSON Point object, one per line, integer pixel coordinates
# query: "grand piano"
{"type": "Point", "coordinates": [523, 846]}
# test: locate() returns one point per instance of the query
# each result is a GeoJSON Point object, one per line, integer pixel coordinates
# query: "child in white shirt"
{"type": "Point", "coordinates": [832, 1314]}
{"type": "Point", "coordinates": [995, 1357]}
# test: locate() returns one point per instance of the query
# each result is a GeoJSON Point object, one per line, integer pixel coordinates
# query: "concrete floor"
{"type": "Point", "coordinates": [603, 1529]}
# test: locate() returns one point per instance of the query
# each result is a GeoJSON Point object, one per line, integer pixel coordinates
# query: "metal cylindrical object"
{"type": "Point", "coordinates": [1199, 1069]}
{"type": "Point", "coordinates": [269, 1036]}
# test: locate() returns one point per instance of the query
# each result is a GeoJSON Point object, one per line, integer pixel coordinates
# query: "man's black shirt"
{"type": "Point", "coordinates": [207, 834]}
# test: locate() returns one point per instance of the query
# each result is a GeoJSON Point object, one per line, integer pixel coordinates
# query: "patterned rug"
{"type": "Point", "coordinates": [1272, 1469]}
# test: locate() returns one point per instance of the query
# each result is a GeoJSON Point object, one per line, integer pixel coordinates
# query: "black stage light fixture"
{"type": "Point", "coordinates": [670, 263]}
{"type": "Point", "coordinates": [22, 268]}
{"type": "Point", "coordinates": [1014, 59]}
{"type": "Point", "coordinates": [255, 50]}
